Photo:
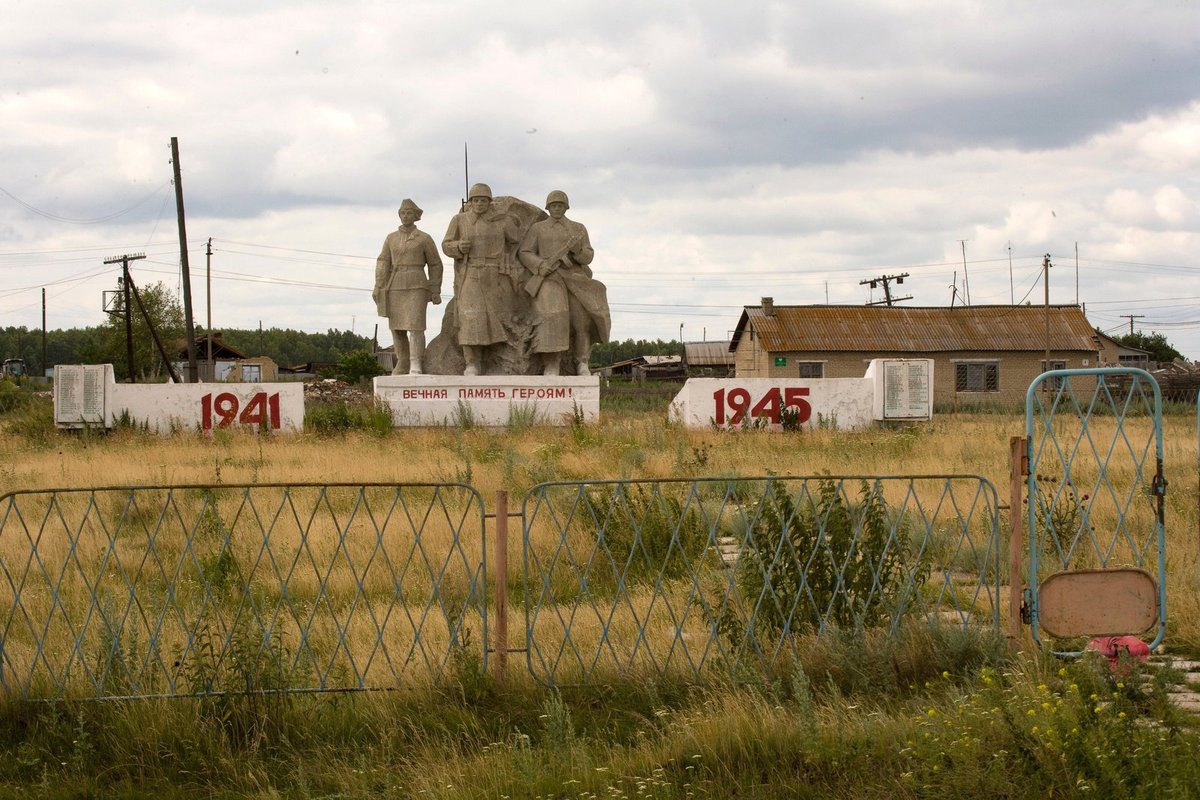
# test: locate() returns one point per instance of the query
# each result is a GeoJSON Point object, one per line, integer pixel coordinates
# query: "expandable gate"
{"type": "Point", "coordinates": [1097, 555]}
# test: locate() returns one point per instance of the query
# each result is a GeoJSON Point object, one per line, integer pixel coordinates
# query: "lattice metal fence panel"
{"type": "Point", "coordinates": [196, 590]}
{"type": "Point", "coordinates": [698, 578]}
{"type": "Point", "coordinates": [1095, 489]}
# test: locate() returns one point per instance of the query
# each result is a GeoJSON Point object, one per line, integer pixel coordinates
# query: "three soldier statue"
{"type": "Point", "coordinates": [538, 274]}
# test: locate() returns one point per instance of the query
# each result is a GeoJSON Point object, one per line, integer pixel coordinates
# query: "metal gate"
{"type": "Point", "coordinates": [1095, 494]}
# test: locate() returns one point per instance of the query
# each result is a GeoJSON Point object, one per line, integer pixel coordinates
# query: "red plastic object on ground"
{"type": "Point", "coordinates": [1114, 647]}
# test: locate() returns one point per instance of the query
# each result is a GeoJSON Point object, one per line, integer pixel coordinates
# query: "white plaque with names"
{"type": "Point", "coordinates": [81, 395]}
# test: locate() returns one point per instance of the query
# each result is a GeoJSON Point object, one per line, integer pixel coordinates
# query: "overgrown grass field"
{"type": "Point", "coordinates": [930, 713]}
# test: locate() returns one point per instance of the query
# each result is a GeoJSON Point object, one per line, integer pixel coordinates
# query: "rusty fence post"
{"type": "Point", "coordinates": [1018, 470]}
{"type": "Point", "coordinates": [500, 648]}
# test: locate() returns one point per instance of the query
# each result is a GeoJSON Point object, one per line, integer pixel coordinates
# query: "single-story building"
{"type": "Point", "coordinates": [641, 368]}
{"type": "Point", "coordinates": [1115, 354]}
{"type": "Point", "coordinates": [982, 354]}
{"type": "Point", "coordinates": [708, 359]}
{"type": "Point", "coordinates": [257, 369]}
{"type": "Point", "coordinates": [224, 357]}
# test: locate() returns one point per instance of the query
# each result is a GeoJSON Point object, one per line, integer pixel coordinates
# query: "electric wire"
{"type": "Point", "coordinates": [81, 221]}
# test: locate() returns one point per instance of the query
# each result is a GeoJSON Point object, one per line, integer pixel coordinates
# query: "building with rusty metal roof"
{"type": "Point", "coordinates": [982, 354]}
{"type": "Point", "coordinates": [708, 359]}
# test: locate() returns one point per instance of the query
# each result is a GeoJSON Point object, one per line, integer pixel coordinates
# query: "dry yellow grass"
{"type": "Point", "coordinates": [621, 446]}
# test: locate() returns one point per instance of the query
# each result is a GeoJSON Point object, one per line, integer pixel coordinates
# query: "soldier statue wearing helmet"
{"type": "Point", "coordinates": [570, 308]}
{"type": "Point", "coordinates": [478, 240]}
{"type": "Point", "coordinates": [403, 289]}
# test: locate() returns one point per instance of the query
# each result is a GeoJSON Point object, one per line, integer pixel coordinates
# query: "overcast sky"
{"type": "Point", "coordinates": [717, 152]}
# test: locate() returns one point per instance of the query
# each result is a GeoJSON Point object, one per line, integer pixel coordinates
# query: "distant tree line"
{"type": "Point", "coordinates": [605, 353]}
{"type": "Point", "coordinates": [106, 343]}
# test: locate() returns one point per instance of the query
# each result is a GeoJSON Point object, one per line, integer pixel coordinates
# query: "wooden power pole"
{"type": "Point", "coordinates": [126, 281]}
{"type": "Point", "coordinates": [193, 376]}
{"type": "Point", "coordinates": [1046, 281]}
{"type": "Point", "coordinates": [887, 291]}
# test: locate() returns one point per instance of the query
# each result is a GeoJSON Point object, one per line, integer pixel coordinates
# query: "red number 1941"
{"type": "Point", "coordinates": [261, 409]}
{"type": "Point", "coordinates": [770, 405]}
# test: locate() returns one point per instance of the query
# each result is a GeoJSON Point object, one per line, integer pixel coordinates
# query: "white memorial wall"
{"type": "Point", "coordinates": [416, 400]}
{"type": "Point", "coordinates": [891, 390]}
{"type": "Point", "coordinates": [87, 395]}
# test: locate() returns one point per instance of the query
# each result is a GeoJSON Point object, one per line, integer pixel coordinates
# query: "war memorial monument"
{"type": "Point", "coordinates": [517, 333]}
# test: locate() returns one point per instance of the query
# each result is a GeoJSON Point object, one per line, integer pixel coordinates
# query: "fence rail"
{"type": "Point", "coordinates": [196, 590]}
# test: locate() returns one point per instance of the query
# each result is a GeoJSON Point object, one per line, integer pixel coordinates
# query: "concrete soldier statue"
{"type": "Point", "coordinates": [570, 308]}
{"type": "Point", "coordinates": [479, 240]}
{"type": "Point", "coordinates": [403, 290]}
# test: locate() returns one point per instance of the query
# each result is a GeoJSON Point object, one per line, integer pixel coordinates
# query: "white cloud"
{"type": "Point", "coordinates": [717, 152]}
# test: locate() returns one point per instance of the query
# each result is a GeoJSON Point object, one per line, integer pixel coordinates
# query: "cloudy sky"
{"type": "Point", "coordinates": [718, 152]}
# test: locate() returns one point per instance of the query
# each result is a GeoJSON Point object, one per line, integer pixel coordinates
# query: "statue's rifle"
{"type": "Point", "coordinates": [561, 257]}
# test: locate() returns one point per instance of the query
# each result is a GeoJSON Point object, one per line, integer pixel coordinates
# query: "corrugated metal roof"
{"type": "Point", "coordinates": [901, 329]}
{"type": "Point", "coordinates": [708, 354]}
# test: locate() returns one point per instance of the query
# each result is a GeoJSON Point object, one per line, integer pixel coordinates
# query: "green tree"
{"type": "Point", "coordinates": [165, 314]}
{"type": "Point", "coordinates": [605, 353]}
{"type": "Point", "coordinates": [1153, 343]}
{"type": "Point", "coordinates": [358, 365]}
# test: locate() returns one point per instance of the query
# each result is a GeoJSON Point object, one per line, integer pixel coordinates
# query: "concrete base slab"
{"type": "Point", "coordinates": [492, 400]}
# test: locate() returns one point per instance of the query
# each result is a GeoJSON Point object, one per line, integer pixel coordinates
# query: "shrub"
{"type": "Point", "coordinates": [11, 396]}
{"type": "Point", "coordinates": [357, 366]}
{"type": "Point", "coordinates": [329, 419]}
{"type": "Point", "coordinates": [644, 534]}
{"type": "Point", "coordinates": [822, 561]}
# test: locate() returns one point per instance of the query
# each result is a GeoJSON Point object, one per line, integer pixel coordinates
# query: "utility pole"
{"type": "Point", "coordinates": [887, 291]}
{"type": "Point", "coordinates": [212, 367]}
{"type": "Point", "coordinates": [682, 350]}
{"type": "Point", "coordinates": [125, 281]}
{"type": "Point", "coordinates": [966, 277]}
{"type": "Point", "coordinates": [43, 331]}
{"type": "Point", "coordinates": [1131, 318]}
{"type": "Point", "coordinates": [1046, 282]}
{"type": "Point", "coordinates": [1077, 273]}
{"type": "Point", "coordinates": [1012, 292]}
{"type": "Point", "coordinates": [183, 263]}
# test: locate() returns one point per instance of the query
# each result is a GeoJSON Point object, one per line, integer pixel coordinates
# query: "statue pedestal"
{"type": "Point", "coordinates": [497, 400]}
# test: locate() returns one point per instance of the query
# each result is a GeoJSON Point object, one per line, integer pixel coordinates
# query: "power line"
{"type": "Point", "coordinates": [81, 221]}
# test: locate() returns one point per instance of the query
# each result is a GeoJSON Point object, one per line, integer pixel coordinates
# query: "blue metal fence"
{"type": "Point", "coordinates": [196, 590]}
{"type": "Point", "coordinates": [705, 577]}
{"type": "Point", "coordinates": [208, 590]}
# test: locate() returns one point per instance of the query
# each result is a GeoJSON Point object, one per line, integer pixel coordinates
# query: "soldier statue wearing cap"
{"type": "Point", "coordinates": [570, 308]}
{"type": "Point", "coordinates": [479, 240]}
{"type": "Point", "coordinates": [403, 289]}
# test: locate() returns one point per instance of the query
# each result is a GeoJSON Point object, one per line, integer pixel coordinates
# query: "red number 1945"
{"type": "Point", "coordinates": [261, 409]}
{"type": "Point", "coordinates": [770, 405]}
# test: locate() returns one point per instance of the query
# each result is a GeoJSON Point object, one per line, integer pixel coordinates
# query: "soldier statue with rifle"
{"type": "Point", "coordinates": [570, 308]}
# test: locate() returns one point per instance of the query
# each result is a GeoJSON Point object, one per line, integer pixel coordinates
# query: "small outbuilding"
{"type": "Point", "coordinates": [708, 359]}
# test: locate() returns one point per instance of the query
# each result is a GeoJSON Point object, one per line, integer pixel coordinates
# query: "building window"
{"type": "Point", "coordinates": [977, 376]}
{"type": "Point", "coordinates": [1137, 360]}
{"type": "Point", "coordinates": [811, 369]}
{"type": "Point", "coordinates": [1056, 382]}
